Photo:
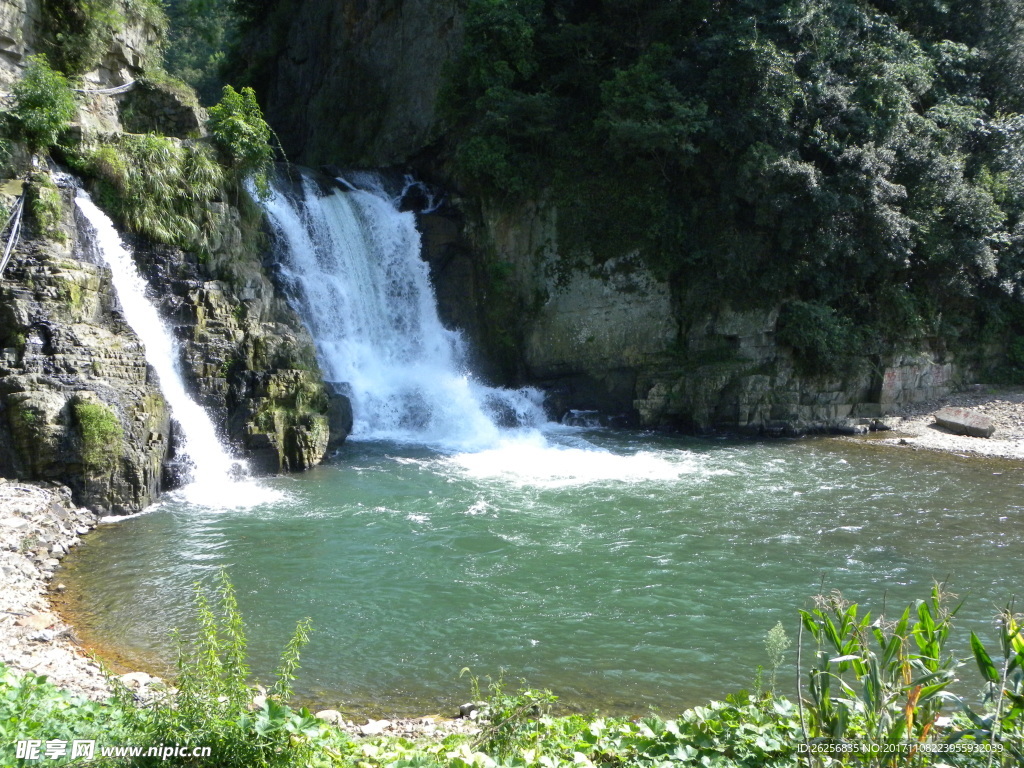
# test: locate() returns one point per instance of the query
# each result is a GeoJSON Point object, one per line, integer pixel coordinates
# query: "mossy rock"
{"type": "Point", "coordinates": [100, 433]}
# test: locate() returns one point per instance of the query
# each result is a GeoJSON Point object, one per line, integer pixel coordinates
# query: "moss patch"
{"type": "Point", "coordinates": [46, 207]}
{"type": "Point", "coordinates": [100, 432]}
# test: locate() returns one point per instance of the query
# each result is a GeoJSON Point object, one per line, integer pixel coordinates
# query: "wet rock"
{"type": "Point", "coordinates": [136, 679]}
{"type": "Point", "coordinates": [38, 621]}
{"type": "Point", "coordinates": [850, 427]}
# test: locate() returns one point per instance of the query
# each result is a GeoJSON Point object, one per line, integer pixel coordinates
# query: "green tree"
{"type": "Point", "coordinates": [237, 126]}
{"type": "Point", "coordinates": [858, 159]}
{"type": "Point", "coordinates": [44, 105]}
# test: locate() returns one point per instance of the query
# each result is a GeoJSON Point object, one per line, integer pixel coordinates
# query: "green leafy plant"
{"type": "Point", "coordinates": [237, 126]}
{"type": "Point", "coordinates": [43, 104]}
{"type": "Point", "coordinates": [46, 207]}
{"type": "Point", "coordinates": [159, 187]}
{"type": "Point", "coordinates": [881, 683]}
{"type": "Point", "coordinates": [1003, 724]}
{"type": "Point", "coordinates": [776, 644]}
{"type": "Point", "coordinates": [821, 338]}
{"type": "Point", "coordinates": [214, 701]}
{"type": "Point", "coordinates": [33, 708]}
{"type": "Point", "coordinates": [509, 722]}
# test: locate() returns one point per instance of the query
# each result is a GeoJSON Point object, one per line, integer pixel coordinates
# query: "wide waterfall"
{"type": "Point", "coordinates": [354, 269]}
{"type": "Point", "coordinates": [213, 474]}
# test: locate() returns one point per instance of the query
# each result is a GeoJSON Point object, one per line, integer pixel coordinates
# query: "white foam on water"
{"type": "Point", "coordinates": [216, 480]}
{"type": "Point", "coordinates": [355, 274]}
{"type": "Point", "coordinates": [531, 460]}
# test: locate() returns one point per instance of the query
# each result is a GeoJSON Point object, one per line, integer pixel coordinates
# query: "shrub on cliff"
{"type": "Point", "coordinates": [159, 187]}
{"type": "Point", "coordinates": [237, 126]}
{"type": "Point", "coordinates": [44, 105]}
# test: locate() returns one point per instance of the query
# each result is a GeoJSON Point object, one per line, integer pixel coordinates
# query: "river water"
{"type": "Point", "coordinates": [624, 571]}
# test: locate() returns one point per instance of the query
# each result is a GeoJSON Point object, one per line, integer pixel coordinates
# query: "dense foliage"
{"type": "Point", "coordinates": [238, 128]}
{"type": "Point", "coordinates": [201, 31]}
{"type": "Point", "coordinates": [43, 105]}
{"type": "Point", "coordinates": [862, 161]}
{"type": "Point", "coordinates": [157, 186]}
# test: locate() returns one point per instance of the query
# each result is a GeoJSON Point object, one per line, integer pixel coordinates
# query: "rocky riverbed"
{"type": "Point", "coordinates": [38, 525]}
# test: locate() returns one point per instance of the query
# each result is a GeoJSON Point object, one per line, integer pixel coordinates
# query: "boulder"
{"type": "Point", "coordinates": [963, 421]}
{"type": "Point", "coordinates": [374, 727]}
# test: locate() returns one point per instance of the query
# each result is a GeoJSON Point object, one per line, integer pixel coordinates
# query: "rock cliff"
{"type": "Point", "coordinates": [350, 82]}
{"type": "Point", "coordinates": [77, 402]}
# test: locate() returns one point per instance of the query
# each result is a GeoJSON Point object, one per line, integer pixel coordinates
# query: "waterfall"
{"type": "Point", "coordinates": [353, 267]}
{"type": "Point", "coordinates": [213, 473]}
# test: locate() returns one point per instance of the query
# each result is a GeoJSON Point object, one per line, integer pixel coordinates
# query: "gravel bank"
{"type": "Point", "coordinates": [38, 525]}
{"type": "Point", "coordinates": [914, 425]}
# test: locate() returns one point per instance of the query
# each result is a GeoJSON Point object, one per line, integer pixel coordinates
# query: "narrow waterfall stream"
{"type": "Point", "coordinates": [215, 478]}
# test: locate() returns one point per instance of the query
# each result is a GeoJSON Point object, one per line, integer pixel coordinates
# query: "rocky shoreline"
{"type": "Point", "coordinates": [39, 524]}
{"type": "Point", "coordinates": [914, 425]}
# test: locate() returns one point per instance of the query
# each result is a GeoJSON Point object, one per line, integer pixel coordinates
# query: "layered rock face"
{"type": "Point", "coordinates": [20, 22]}
{"type": "Point", "coordinates": [249, 360]}
{"type": "Point", "coordinates": [78, 404]}
{"type": "Point", "coordinates": [614, 338]}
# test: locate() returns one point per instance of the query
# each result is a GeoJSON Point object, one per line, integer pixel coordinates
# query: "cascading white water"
{"type": "Point", "coordinates": [353, 262]}
{"type": "Point", "coordinates": [357, 279]}
{"type": "Point", "coordinates": [214, 473]}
